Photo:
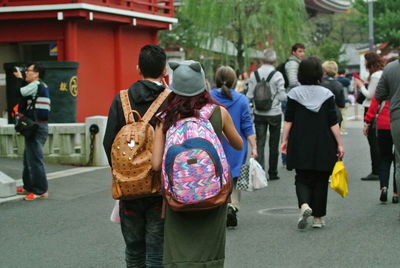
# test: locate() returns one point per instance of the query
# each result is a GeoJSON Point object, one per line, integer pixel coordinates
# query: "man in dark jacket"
{"type": "Point", "coordinates": [389, 89]}
{"type": "Point", "coordinates": [141, 222]}
{"type": "Point", "coordinates": [328, 80]}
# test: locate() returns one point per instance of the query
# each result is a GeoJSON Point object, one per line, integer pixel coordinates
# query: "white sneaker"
{"type": "Point", "coordinates": [318, 223]}
{"type": "Point", "coordinates": [305, 212]}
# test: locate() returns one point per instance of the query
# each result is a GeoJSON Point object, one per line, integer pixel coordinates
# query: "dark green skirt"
{"type": "Point", "coordinates": [195, 239]}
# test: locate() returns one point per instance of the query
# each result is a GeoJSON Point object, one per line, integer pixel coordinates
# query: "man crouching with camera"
{"type": "Point", "coordinates": [32, 123]}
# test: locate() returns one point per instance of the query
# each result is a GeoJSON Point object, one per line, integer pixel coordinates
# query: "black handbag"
{"type": "Point", "coordinates": [360, 97]}
{"type": "Point", "coordinates": [26, 126]}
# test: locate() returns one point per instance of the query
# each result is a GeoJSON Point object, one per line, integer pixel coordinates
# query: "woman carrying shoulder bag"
{"type": "Point", "coordinates": [312, 141]}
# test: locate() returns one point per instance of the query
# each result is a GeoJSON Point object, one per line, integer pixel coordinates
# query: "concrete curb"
{"type": "Point", "coordinates": [7, 185]}
{"type": "Point", "coordinates": [50, 176]}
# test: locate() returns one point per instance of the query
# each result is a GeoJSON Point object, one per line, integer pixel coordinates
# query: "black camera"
{"type": "Point", "coordinates": [22, 69]}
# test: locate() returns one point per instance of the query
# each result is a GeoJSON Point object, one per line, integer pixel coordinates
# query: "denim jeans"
{"type": "Point", "coordinates": [34, 173]}
{"type": "Point", "coordinates": [261, 124]}
{"type": "Point", "coordinates": [143, 232]}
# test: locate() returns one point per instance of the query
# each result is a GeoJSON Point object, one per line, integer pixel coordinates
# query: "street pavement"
{"type": "Point", "coordinates": [72, 227]}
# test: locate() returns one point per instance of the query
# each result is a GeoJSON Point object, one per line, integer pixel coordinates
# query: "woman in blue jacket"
{"type": "Point", "coordinates": [239, 109]}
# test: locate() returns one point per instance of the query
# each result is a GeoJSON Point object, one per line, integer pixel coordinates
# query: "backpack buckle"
{"type": "Point", "coordinates": [131, 144]}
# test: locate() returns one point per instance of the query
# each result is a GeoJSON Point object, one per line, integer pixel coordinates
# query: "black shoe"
{"type": "Point", "coordinates": [395, 199]}
{"type": "Point", "coordinates": [273, 178]}
{"type": "Point", "coordinates": [231, 220]}
{"type": "Point", "coordinates": [370, 177]}
{"type": "Point", "coordinates": [383, 196]}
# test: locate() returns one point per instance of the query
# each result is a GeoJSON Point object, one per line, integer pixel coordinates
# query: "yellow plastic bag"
{"type": "Point", "coordinates": [339, 179]}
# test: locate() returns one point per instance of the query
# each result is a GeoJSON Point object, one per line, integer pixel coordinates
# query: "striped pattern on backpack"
{"type": "Point", "coordinates": [195, 170]}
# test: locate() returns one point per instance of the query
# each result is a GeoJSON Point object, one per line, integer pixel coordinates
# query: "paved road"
{"type": "Point", "coordinates": [72, 227]}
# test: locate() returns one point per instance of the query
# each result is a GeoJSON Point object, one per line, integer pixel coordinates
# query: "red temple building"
{"type": "Point", "coordinates": [103, 36]}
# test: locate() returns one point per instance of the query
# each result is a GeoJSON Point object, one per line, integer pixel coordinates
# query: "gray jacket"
{"type": "Point", "coordinates": [292, 68]}
{"type": "Point", "coordinates": [277, 87]}
{"type": "Point", "coordinates": [389, 88]}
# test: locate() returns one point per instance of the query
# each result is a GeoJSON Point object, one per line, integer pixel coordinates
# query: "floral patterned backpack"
{"type": "Point", "coordinates": [195, 171]}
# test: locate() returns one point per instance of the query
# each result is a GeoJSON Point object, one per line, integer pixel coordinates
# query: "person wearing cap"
{"type": "Point", "coordinates": [271, 119]}
{"type": "Point", "coordinates": [193, 238]}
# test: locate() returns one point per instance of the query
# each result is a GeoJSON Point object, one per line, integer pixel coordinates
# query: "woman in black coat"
{"type": "Point", "coordinates": [312, 141]}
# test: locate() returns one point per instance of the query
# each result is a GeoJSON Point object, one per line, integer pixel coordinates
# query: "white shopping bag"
{"type": "Point", "coordinates": [115, 213]}
{"type": "Point", "coordinates": [257, 175]}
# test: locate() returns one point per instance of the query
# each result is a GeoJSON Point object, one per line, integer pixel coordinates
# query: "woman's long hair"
{"type": "Point", "coordinates": [374, 63]}
{"type": "Point", "coordinates": [178, 107]}
{"type": "Point", "coordinates": [225, 78]}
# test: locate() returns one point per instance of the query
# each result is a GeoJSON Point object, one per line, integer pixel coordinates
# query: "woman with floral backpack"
{"type": "Point", "coordinates": [195, 174]}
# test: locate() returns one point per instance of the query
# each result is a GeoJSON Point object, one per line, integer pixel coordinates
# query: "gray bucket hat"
{"type": "Point", "coordinates": [188, 78]}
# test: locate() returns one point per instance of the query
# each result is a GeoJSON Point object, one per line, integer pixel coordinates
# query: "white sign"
{"type": "Point", "coordinates": [2, 79]}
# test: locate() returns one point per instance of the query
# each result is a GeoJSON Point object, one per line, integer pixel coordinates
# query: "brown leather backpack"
{"type": "Point", "coordinates": [131, 153]}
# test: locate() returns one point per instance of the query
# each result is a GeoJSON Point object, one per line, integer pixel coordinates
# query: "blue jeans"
{"type": "Point", "coordinates": [143, 232]}
{"type": "Point", "coordinates": [34, 173]}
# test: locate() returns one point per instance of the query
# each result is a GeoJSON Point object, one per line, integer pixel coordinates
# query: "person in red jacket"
{"type": "Point", "coordinates": [378, 113]}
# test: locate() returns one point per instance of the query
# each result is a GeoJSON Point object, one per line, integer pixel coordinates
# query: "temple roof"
{"type": "Point", "coordinates": [326, 6]}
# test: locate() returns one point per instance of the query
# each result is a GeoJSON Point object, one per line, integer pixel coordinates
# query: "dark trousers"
{"type": "Point", "coordinates": [312, 188]}
{"type": "Point", "coordinates": [373, 147]}
{"type": "Point", "coordinates": [262, 123]}
{"type": "Point", "coordinates": [143, 231]}
{"type": "Point", "coordinates": [385, 143]}
{"type": "Point", "coordinates": [284, 156]}
{"type": "Point", "coordinates": [34, 173]}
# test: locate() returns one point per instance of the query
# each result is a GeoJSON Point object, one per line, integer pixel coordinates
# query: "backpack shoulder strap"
{"type": "Point", "coordinates": [156, 105]}
{"type": "Point", "coordinates": [207, 110]}
{"type": "Point", "coordinates": [271, 75]}
{"type": "Point", "coordinates": [257, 75]}
{"type": "Point", "coordinates": [216, 121]}
{"type": "Point", "coordinates": [126, 105]}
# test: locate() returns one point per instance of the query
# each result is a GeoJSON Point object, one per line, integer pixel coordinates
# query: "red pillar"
{"type": "Point", "coordinates": [71, 41]}
{"type": "Point", "coordinates": [118, 57]}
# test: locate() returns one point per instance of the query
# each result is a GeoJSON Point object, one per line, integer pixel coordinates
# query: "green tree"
{"type": "Point", "coordinates": [330, 31]}
{"type": "Point", "coordinates": [248, 25]}
{"type": "Point", "coordinates": [386, 20]}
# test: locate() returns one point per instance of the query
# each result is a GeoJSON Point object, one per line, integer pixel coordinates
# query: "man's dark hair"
{"type": "Point", "coordinates": [341, 71]}
{"type": "Point", "coordinates": [297, 46]}
{"type": "Point", "coordinates": [152, 60]}
{"type": "Point", "coordinates": [310, 71]}
{"type": "Point", "coordinates": [37, 67]}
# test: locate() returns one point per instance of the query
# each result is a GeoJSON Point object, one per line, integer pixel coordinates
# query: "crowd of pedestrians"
{"type": "Point", "coordinates": [196, 135]}
{"type": "Point", "coordinates": [203, 132]}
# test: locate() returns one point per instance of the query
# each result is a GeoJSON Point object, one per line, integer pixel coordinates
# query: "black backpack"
{"type": "Point", "coordinates": [282, 70]}
{"type": "Point", "coordinates": [262, 92]}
